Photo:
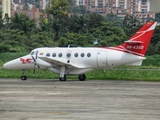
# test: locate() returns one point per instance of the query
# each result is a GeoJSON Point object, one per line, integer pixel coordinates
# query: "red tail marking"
{"type": "Point", "coordinates": [138, 43]}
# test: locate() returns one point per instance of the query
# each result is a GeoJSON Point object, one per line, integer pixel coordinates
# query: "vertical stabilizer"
{"type": "Point", "coordinates": [138, 43]}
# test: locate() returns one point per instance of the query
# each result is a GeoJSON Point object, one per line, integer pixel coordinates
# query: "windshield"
{"type": "Point", "coordinates": [34, 52]}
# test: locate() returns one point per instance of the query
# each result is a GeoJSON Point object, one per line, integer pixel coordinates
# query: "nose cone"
{"type": "Point", "coordinates": [24, 62]}
{"type": "Point", "coordinates": [11, 64]}
{"type": "Point", "coordinates": [6, 65]}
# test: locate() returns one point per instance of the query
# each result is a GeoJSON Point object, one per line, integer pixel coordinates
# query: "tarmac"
{"type": "Point", "coordinates": [44, 99]}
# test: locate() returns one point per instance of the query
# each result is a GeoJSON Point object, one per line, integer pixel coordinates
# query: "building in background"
{"type": "Point", "coordinates": [17, 6]}
{"type": "Point", "coordinates": [6, 8]}
{"type": "Point", "coordinates": [138, 8]}
{"type": "Point", "coordinates": [43, 4]}
{"type": "Point", "coordinates": [0, 5]}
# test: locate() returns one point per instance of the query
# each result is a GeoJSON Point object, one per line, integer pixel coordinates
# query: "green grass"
{"type": "Point", "coordinates": [126, 74]}
{"type": "Point", "coordinates": [115, 74]}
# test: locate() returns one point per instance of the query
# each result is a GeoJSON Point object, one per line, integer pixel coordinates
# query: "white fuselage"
{"type": "Point", "coordinates": [76, 60]}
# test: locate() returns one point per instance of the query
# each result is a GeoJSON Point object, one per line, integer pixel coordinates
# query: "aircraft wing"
{"type": "Point", "coordinates": [57, 62]}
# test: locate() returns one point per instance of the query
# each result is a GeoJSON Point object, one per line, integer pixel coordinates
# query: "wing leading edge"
{"type": "Point", "coordinates": [57, 62]}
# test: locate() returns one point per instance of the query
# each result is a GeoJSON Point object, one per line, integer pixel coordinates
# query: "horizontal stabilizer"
{"type": "Point", "coordinates": [134, 42]}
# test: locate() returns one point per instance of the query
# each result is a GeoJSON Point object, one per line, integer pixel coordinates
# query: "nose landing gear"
{"type": "Point", "coordinates": [23, 77]}
{"type": "Point", "coordinates": [63, 78]}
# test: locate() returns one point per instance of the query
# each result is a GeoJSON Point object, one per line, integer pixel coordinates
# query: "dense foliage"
{"type": "Point", "coordinates": [58, 27]}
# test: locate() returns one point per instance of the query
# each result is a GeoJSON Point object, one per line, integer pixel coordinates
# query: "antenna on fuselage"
{"type": "Point", "coordinates": [95, 42]}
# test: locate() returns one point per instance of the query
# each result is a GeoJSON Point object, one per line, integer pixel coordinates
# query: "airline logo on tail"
{"type": "Point", "coordinates": [138, 43]}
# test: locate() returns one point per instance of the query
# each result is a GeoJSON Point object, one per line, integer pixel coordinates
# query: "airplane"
{"type": "Point", "coordinates": [80, 60]}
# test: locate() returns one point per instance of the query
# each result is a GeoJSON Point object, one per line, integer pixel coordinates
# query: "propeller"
{"type": "Point", "coordinates": [35, 60]}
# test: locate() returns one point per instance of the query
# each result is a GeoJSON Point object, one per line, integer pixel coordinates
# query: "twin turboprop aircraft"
{"type": "Point", "coordinates": [79, 60]}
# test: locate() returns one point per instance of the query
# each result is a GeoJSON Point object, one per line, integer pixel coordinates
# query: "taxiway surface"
{"type": "Point", "coordinates": [76, 100]}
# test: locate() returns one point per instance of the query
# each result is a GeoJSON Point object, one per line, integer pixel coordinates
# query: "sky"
{"type": "Point", "coordinates": [155, 6]}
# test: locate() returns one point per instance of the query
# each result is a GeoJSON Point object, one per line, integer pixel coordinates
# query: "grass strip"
{"type": "Point", "coordinates": [114, 74]}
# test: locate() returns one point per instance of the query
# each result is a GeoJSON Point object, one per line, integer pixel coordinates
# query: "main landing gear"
{"type": "Point", "coordinates": [23, 77]}
{"type": "Point", "coordinates": [81, 77]}
{"type": "Point", "coordinates": [63, 78]}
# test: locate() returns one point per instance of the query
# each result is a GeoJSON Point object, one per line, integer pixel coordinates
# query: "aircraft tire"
{"type": "Point", "coordinates": [63, 78]}
{"type": "Point", "coordinates": [23, 78]}
{"type": "Point", "coordinates": [82, 77]}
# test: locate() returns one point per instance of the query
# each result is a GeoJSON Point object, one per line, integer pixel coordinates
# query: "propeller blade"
{"type": "Point", "coordinates": [33, 58]}
{"type": "Point", "coordinates": [34, 69]}
{"type": "Point", "coordinates": [38, 66]}
{"type": "Point", "coordinates": [36, 54]}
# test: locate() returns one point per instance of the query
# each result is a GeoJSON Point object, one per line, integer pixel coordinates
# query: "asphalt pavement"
{"type": "Point", "coordinates": [43, 99]}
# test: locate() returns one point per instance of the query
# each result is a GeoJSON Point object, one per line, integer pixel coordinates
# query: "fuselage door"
{"type": "Point", "coordinates": [102, 59]}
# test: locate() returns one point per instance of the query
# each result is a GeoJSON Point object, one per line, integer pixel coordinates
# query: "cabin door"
{"type": "Point", "coordinates": [102, 59]}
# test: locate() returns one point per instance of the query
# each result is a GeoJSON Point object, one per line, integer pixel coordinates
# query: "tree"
{"type": "Point", "coordinates": [44, 23]}
{"type": "Point", "coordinates": [131, 24]}
{"type": "Point", "coordinates": [57, 7]}
{"type": "Point", "coordinates": [40, 39]}
{"type": "Point", "coordinates": [109, 34]}
{"type": "Point", "coordinates": [6, 20]}
{"type": "Point", "coordinates": [94, 20]}
{"type": "Point", "coordinates": [0, 15]}
{"type": "Point", "coordinates": [57, 27]}
{"type": "Point", "coordinates": [71, 5]}
{"type": "Point", "coordinates": [26, 6]}
{"type": "Point", "coordinates": [83, 9]}
{"type": "Point", "coordinates": [1, 20]}
{"type": "Point", "coordinates": [17, 20]}
{"type": "Point", "coordinates": [79, 24]}
{"type": "Point", "coordinates": [157, 17]}
{"type": "Point", "coordinates": [154, 47]}
{"type": "Point", "coordinates": [113, 18]}
{"type": "Point", "coordinates": [13, 39]}
{"type": "Point", "coordinates": [75, 39]}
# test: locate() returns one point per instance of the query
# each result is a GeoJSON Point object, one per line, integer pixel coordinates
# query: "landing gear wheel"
{"type": "Point", "coordinates": [23, 78]}
{"type": "Point", "coordinates": [63, 78]}
{"type": "Point", "coordinates": [82, 77]}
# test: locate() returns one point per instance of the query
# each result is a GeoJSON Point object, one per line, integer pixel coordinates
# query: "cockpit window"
{"type": "Point", "coordinates": [32, 53]}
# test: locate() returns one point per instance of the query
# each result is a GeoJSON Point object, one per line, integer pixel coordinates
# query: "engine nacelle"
{"type": "Point", "coordinates": [43, 63]}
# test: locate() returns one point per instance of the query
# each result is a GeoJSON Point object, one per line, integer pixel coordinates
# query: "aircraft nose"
{"type": "Point", "coordinates": [8, 65]}
{"type": "Point", "coordinates": [24, 62]}
{"type": "Point", "coordinates": [13, 64]}
{"type": "Point", "coordinates": [5, 65]}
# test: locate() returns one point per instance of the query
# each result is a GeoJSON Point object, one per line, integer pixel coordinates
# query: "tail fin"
{"type": "Point", "coordinates": [138, 43]}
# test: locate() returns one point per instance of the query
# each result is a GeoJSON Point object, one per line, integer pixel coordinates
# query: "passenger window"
{"type": "Point", "coordinates": [54, 55]}
{"type": "Point", "coordinates": [60, 55]}
{"type": "Point", "coordinates": [76, 54]}
{"type": "Point", "coordinates": [48, 54]}
{"type": "Point", "coordinates": [89, 55]}
{"type": "Point", "coordinates": [82, 54]}
{"type": "Point", "coordinates": [68, 55]}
